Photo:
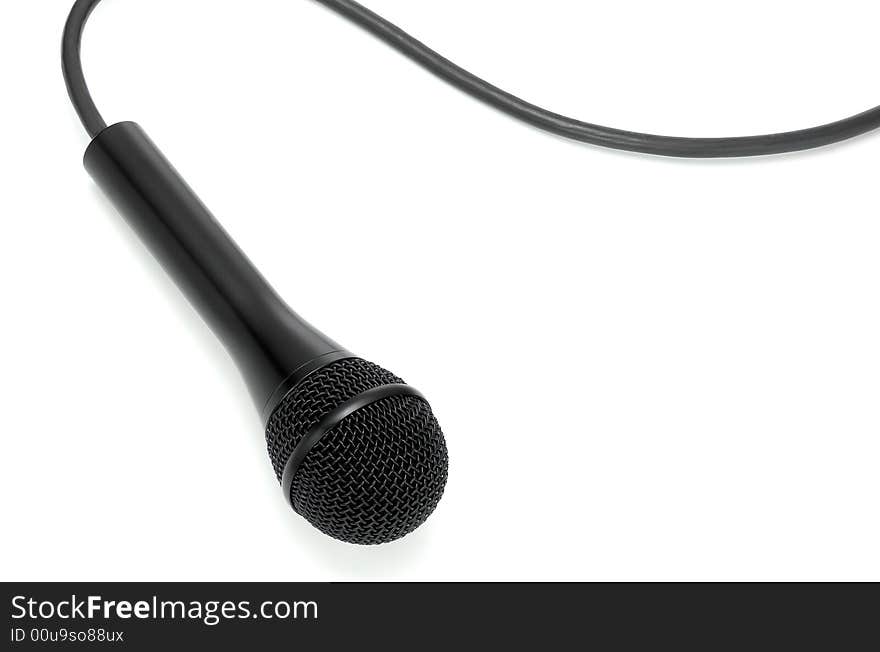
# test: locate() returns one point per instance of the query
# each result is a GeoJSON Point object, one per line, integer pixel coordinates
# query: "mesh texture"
{"type": "Point", "coordinates": [376, 476]}
{"type": "Point", "coordinates": [311, 400]}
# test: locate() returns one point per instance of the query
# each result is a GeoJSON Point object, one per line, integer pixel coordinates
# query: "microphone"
{"type": "Point", "coordinates": [357, 451]}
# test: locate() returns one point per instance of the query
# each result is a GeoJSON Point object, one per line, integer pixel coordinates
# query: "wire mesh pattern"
{"type": "Point", "coordinates": [376, 476]}
{"type": "Point", "coordinates": [316, 396]}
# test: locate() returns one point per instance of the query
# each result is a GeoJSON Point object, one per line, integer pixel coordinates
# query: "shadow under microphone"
{"type": "Point", "coordinates": [358, 452]}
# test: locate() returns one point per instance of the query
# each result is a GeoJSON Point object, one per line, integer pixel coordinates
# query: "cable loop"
{"type": "Point", "coordinates": [733, 147]}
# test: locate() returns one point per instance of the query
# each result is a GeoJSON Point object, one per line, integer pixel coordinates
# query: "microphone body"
{"type": "Point", "coordinates": [357, 451]}
{"type": "Point", "coordinates": [272, 346]}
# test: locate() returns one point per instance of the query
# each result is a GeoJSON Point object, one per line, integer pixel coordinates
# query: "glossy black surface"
{"type": "Point", "coordinates": [272, 346]}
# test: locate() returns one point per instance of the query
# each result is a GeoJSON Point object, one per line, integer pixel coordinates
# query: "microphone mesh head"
{"type": "Point", "coordinates": [377, 475]}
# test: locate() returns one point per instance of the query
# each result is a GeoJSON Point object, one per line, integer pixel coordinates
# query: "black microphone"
{"type": "Point", "coordinates": [357, 451]}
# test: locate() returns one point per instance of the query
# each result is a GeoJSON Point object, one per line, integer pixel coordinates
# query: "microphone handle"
{"type": "Point", "coordinates": [273, 347]}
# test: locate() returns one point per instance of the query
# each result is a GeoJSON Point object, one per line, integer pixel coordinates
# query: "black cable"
{"type": "Point", "coordinates": [71, 64]}
{"type": "Point", "coordinates": [791, 141]}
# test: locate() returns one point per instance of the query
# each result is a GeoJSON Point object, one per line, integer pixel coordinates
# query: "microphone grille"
{"type": "Point", "coordinates": [316, 396]}
{"type": "Point", "coordinates": [377, 476]}
{"type": "Point", "coordinates": [379, 473]}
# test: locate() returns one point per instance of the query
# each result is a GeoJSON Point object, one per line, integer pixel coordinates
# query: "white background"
{"type": "Point", "coordinates": [646, 369]}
